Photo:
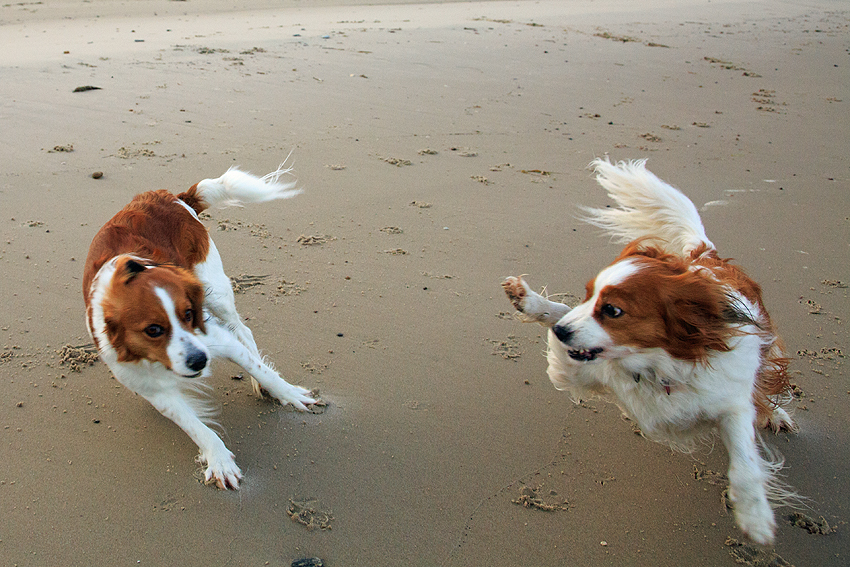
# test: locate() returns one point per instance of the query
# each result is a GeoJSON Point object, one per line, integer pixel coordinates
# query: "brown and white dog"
{"type": "Point", "coordinates": [160, 308]}
{"type": "Point", "coordinates": [674, 335]}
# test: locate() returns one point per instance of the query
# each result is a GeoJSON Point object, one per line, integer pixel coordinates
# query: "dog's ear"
{"type": "Point", "coordinates": [695, 318]}
{"type": "Point", "coordinates": [128, 270]}
{"type": "Point", "coordinates": [132, 267]}
{"type": "Point", "coordinates": [116, 338]}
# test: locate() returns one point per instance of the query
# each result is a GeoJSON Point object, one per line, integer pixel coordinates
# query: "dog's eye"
{"type": "Point", "coordinates": [154, 331]}
{"type": "Point", "coordinates": [188, 316]}
{"type": "Point", "coordinates": [611, 311]}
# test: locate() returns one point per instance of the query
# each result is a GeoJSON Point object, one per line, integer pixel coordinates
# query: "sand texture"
{"type": "Point", "coordinates": [441, 147]}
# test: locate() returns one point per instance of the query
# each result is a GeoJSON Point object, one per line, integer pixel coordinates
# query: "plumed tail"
{"type": "Point", "coordinates": [236, 188]}
{"type": "Point", "coordinates": [648, 209]}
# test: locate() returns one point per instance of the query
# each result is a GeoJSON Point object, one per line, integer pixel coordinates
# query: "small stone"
{"type": "Point", "coordinates": [97, 175]}
{"type": "Point", "coordinates": [308, 562]}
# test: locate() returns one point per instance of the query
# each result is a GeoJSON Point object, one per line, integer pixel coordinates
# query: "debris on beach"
{"type": "Point", "coordinates": [750, 555]}
{"type": "Point", "coordinates": [76, 357]}
{"type": "Point", "coordinates": [819, 526]}
{"type": "Point", "coordinates": [530, 498]}
{"type": "Point", "coordinates": [307, 514]}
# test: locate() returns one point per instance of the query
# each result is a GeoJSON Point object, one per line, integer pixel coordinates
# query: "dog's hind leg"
{"type": "Point", "coordinates": [534, 307]}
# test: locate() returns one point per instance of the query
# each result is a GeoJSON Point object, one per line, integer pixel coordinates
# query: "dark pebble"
{"type": "Point", "coordinates": [97, 175]}
{"type": "Point", "coordinates": [308, 562]}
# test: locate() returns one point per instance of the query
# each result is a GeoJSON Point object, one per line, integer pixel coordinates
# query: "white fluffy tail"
{"type": "Point", "coordinates": [236, 188]}
{"type": "Point", "coordinates": [649, 208]}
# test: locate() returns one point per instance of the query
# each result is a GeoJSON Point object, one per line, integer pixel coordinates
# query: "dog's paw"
{"type": "Point", "coordinates": [516, 289]}
{"type": "Point", "coordinates": [754, 516]}
{"type": "Point", "coordinates": [299, 397]}
{"type": "Point", "coordinates": [760, 529]}
{"type": "Point", "coordinates": [779, 420]}
{"type": "Point", "coordinates": [221, 471]}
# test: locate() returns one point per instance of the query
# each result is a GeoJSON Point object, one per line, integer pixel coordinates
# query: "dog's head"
{"type": "Point", "coordinates": [649, 300]}
{"type": "Point", "coordinates": [152, 312]}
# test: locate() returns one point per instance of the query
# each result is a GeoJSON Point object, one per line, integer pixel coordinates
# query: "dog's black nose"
{"type": "Point", "coordinates": [196, 360]}
{"type": "Point", "coordinates": [563, 332]}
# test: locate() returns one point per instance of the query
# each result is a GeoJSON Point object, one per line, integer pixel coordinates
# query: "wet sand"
{"type": "Point", "coordinates": [441, 147]}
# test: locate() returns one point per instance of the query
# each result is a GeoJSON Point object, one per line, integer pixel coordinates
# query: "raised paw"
{"type": "Point", "coordinates": [534, 307]}
{"type": "Point", "coordinates": [221, 471]}
{"type": "Point", "coordinates": [516, 290]}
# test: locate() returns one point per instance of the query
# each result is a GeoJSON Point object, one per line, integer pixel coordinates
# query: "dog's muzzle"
{"type": "Point", "coordinates": [585, 354]}
{"type": "Point", "coordinates": [565, 335]}
{"type": "Point", "coordinates": [563, 332]}
{"type": "Point", "coordinates": [196, 360]}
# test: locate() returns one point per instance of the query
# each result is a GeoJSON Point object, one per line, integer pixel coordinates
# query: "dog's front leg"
{"type": "Point", "coordinates": [220, 462]}
{"type": "Point", "coordinates": [222, 342]}
{"type": "Point", "coordinates": [748, 477]}
{"type": "Point", "coordinates": [533, 306]}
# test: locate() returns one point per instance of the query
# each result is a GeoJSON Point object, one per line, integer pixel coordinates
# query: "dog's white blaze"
{"type": "Point", "coordinates": [614, 274]}
{"type": "Point", "coordinates": [182, 343]}
{"type": "Point", "coordinates": [587, 332]}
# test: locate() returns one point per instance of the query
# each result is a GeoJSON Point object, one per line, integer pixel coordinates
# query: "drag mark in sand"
{"type": "Point", "coordinates": [744, 554]}
{"type": "Point", "coordinates": [532, 498]}
{"type": "Point", "coordinates": [314, 239]}
{"type": "Point", "coordinates": [508, 349]}
{"type": "Point", "coordinates": [818, 527]}
{"type": "Point", "coordinates": [287, 288]}
{"type": "Point", "coordinates": [529, 496]}
{"type": "Point", "coordinates": [728, 65]}
{"type": "Point", "coordinates": [711, 477]}
{"type": "Point", "coordinates": [307, 513]}
{"type": "Point", "coordinates": [284, 288]}
{"type": "Point", "coordinates": [766, 100]}
{"type": "Point", "coordinates": [244, 282]}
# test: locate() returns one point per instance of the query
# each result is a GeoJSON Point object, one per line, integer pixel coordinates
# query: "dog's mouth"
{"type": "Point", "coordinates": [195, 375]}
{"type": "Point", "coordinates": [584, 354]}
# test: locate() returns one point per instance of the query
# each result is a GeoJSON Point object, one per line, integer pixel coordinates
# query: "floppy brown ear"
{"type": "Point", "coordinates": [115, 335]}
{"type": "Point", "coordinates": [694, 317]}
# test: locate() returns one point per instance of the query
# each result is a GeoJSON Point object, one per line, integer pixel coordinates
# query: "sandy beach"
{"type": "Point", "coordinates": [441, 147]}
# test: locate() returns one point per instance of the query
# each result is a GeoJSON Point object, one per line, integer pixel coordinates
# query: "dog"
{"type": "Point", "coordinates": [160, 308]}
{"type": "Point", "coordinates": [676, 336]}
